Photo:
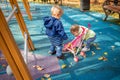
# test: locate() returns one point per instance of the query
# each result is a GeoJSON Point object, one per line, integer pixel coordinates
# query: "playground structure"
{"type": "Point", "coordinates": [7, 42]}
{"type": "Point", "coordinates": [8, 45]}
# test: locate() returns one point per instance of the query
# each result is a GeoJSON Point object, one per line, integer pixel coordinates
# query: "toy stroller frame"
{"type": "Point", "coordinates": [71, 46]}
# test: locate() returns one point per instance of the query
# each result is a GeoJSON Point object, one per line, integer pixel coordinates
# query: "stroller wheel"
{"type": "Point", "coordinates": [76, 59]}
{"type": "Point", "coordinates": [83, 54]}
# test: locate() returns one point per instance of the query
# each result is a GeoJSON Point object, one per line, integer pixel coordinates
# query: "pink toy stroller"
{"type": "Point", "coordinates": [76, 43]}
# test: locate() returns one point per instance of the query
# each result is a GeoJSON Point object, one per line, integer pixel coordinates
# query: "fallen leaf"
{"type": "Point", "coordinates": [64, 66]}
{"type": "Point", "coordinates": [93, 53]}
{"type": "Point", "coordinates": [98, 48]}
{"type": "Point", "coordinates": [100, 58]}
{"type": "Point", "coordinates": [105, 53]}
{"type": "Point", "coordinates": [38, 67]}
{"type": "Point", "coordinates": [46, 75]}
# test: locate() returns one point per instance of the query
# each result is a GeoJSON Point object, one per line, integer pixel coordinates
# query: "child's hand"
{"type": "Point", "coordinates": [75, 50]}
{"type": "Point", "coordinates": [64, 50]}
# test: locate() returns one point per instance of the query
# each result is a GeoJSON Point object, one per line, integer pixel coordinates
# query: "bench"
{"type": "Point", "coordinates": [110, 7]}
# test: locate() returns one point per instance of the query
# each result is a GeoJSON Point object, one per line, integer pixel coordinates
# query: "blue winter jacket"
{"type": "Point", "coordinates": [54, 30]}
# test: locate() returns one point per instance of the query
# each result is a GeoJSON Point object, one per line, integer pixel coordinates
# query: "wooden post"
{"type": "Point", "coordinates": [9, 58]}
{"type": "Point", "coordinates": [27, 7]}
{"type": "Point", "coordinates": [22, 23]}
{"type": "Point", "coordinates": [11, 51]}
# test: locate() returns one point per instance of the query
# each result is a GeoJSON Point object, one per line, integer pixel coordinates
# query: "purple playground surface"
{"type": "Point", "coordinates": [48, 63]}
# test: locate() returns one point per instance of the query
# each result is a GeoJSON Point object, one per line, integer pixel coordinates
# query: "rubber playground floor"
{"type": "Point", "coordinates": [101, 63]}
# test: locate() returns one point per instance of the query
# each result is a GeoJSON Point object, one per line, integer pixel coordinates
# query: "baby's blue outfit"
{"type": "Point", "coordinates": [55, 33]}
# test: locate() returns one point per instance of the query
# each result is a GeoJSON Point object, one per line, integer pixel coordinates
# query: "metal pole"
{"type": "Point", "coordinates": [25, 48]}
{"type": "Point", "coordinates": [11, 14]}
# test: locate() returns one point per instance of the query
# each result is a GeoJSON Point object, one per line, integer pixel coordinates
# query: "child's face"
{"type": "Point", "coordinates": [75, 33]}
{"type": "Point", "coordinates": [57, 16]}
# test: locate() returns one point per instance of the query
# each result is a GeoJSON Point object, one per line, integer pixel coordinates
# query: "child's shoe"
{"type": "Point", "coordinates": [52, 53]}
{"type": "Point", "coordinates": [61, 57]}
{"type": "Point", "coordinates": [85, 49]}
